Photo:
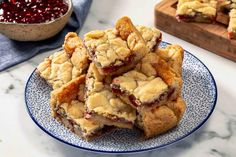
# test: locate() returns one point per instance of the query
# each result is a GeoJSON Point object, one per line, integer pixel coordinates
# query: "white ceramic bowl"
{"type": "Point", "coordinates": [38, 31]}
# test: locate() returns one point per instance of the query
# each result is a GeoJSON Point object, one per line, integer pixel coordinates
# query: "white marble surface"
{"type": "Point", "coordinates": [19, 136]}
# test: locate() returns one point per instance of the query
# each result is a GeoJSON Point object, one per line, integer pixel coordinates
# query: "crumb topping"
{"type": "Point", "coordinates": [115, 47]}
{"type": "Point", "coordinates": [193, 7]}
{"type": "Point", "coordinates": [61, 67]}
{"type": "Point", "coordinates": [102, 101]}
{"type": "Point", "coordinates": [151, 36]}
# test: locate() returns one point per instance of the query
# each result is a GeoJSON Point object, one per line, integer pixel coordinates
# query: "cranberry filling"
{"type": "Point", "coordinates": [158, 41]}
{"type": "Point", "coordinates": [112, 68]}
{"type": "Point", "coordinates": [186, 18]}
{"type": "Point", "coordinates": [116, 89]}
{"type": "Point", "coordinates": [31, 11]}
{"type": "Point", "coordinates": [117, 119]}
{"type": "Point", "coordinates": [190, 18]}
{"type": "Point", "coordinates": [88, 115]}
{"type": "Point", "coordinates": [170, 92]}
{"type": "Point", "coordinates": [133, 100]}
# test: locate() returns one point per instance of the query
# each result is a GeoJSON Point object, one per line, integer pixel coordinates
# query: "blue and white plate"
{"type": "Point", "coordinates": [199, 92]}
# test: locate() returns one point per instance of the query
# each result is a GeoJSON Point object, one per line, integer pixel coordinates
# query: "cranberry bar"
{"type": "Point", "coordinates": [115, 51]}
{"type": "Point", "coordinates": [151, 36]}
{"type": "Point", "coordinates": [103, 105]}
{"type": "Point", "coordinates": [153, 82]}
{"type": "Point", "coordinates": [173, 55]}
{"type": "Point", "coordinates": [65, 65]}
{"type": "Point", "coordinates": [196, 10]}
{"type": "Point", "coordinates": [159, 119]}
{"type": "Point", "coordinates": [67, 106]}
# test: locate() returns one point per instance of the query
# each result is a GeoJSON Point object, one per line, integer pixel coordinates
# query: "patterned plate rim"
{"type": "Point", "coordinates": [132, 151]}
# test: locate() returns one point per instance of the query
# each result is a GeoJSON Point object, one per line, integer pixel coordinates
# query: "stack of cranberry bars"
{"type": "Point", "coordinates": [116, 78]}
{"type": "Point", "coordinates": [209, 11]}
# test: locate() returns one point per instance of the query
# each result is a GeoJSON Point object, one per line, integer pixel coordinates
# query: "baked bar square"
{"type": "Point", "coordinates": [115, 51]}
{"type": "Point", "coordinates": [151, 36]}
{"type": "Point", "coordinates": [66, 64]}
{"type": "Point", "coordinates": [196, 10]}
{"type": "Point", "coordinates": [67, 105]}
{"type": "Point", "coordinates": [159, 119]}
{"type": "Point", "coordinates": [153, 82]}
{"type": "Point", "coordinates": [173, 55]}
{"type": "Point", "coordinates": [103, 105]}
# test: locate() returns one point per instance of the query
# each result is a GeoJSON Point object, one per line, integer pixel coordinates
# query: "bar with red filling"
{"type": "Point", "coordinates": [196, 11]}
{"type": "Point", "coordinates": [103, 105]}
{"type": "Point", "coordinates": [115, 51]}
{"type": "Point", "coordinates": [153, 82]}
{"type": "Point", "coordinates": [67, 106]}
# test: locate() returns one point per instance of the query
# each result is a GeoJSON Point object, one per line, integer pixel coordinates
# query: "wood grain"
{"type": "Point", "coordinates": [212, 37]}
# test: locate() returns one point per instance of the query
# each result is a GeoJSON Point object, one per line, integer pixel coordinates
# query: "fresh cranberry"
{"type": "Point", "coordinates": [31, 11]}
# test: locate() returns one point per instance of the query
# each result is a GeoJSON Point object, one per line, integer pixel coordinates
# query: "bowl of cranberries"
{"type": "Point", "coordinates": [33, 20]}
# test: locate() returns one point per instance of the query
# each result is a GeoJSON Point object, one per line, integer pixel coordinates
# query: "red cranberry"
{"type": "Point", "coordinates": [31, 11]}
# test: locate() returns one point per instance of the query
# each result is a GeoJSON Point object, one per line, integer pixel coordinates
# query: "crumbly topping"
{"type": "Point", "coordinates": [61, 67]}
{"type": "Point", "coordinates": [75, 111]}
{"type": "Point", "coordinates": [66, 98]}
{"type": "Point", "coordinates": [107, 47]}
{"type": "Point", "coordinates": [232, 21]}
{"type": "Point", "coordinates": [105, 103]}
{"type": "Point", "coordinates": [193, 7]}
{"type": "Point", "coordinates": [136, 87]}
{"type": "Point", "coordinates": [71, 42]}
{"type": "Point", "coordinates": [127, 75]}
{"type": "Point", "coordinates": [173, 55]}
{"type": "Point", "coordinates": [146, 64]}
{"type": "Point", "coordinates": [153, 65]}
{"type": "Point", "coordinates": [151, 36]}
{"type": "Point", "coordinates": [102, 101]}
{"type": "Point", "coordinates": [159, 119]}
{"type": "Point", "coordinates": [68, 92]}
{"type": "Point", "coordinates": [141, 86]}
{"type": "Point", "coordinates": [114, 47]}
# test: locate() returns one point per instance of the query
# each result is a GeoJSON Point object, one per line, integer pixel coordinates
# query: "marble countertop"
{"type": "Point", "coordinates": [19, 136]}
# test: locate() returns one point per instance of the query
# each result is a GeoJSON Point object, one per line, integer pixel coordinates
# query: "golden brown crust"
{"type": "Point", "coordinates": [159, 119]}
{"type": "Point", "coordinates": [150, 81]}
{"type": "Point", "coordinates": [102, 103]}
{"type": "Point", "coordinates": [173, 55]}
{"type": "Point", "coordinates": [136, 87]}
{"type": "Point", "coordinates": [71, 42]}
{"type": "Point", "coordinates": [69, 110]}
{"type": "Point", "coordinates": [178, 106]}
{"type": "Point", "coordinates": [66, 93]}
{"type": "Point", "coordinates": [151, 36]}
{"type": "Point", "coordinates": [166, 73]}
{"type": "Point", "coordinates": [125, 27]}
{"type": "Point", "coordinates": [65, 65]}
{"type": "Point", "coordinates": [115, 51]}
{"type": "Point", "coordinates": [69, 91]}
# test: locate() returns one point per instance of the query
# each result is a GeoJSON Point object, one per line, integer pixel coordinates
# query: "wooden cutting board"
{"type": "Point", "coordinates": [212, 37]}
